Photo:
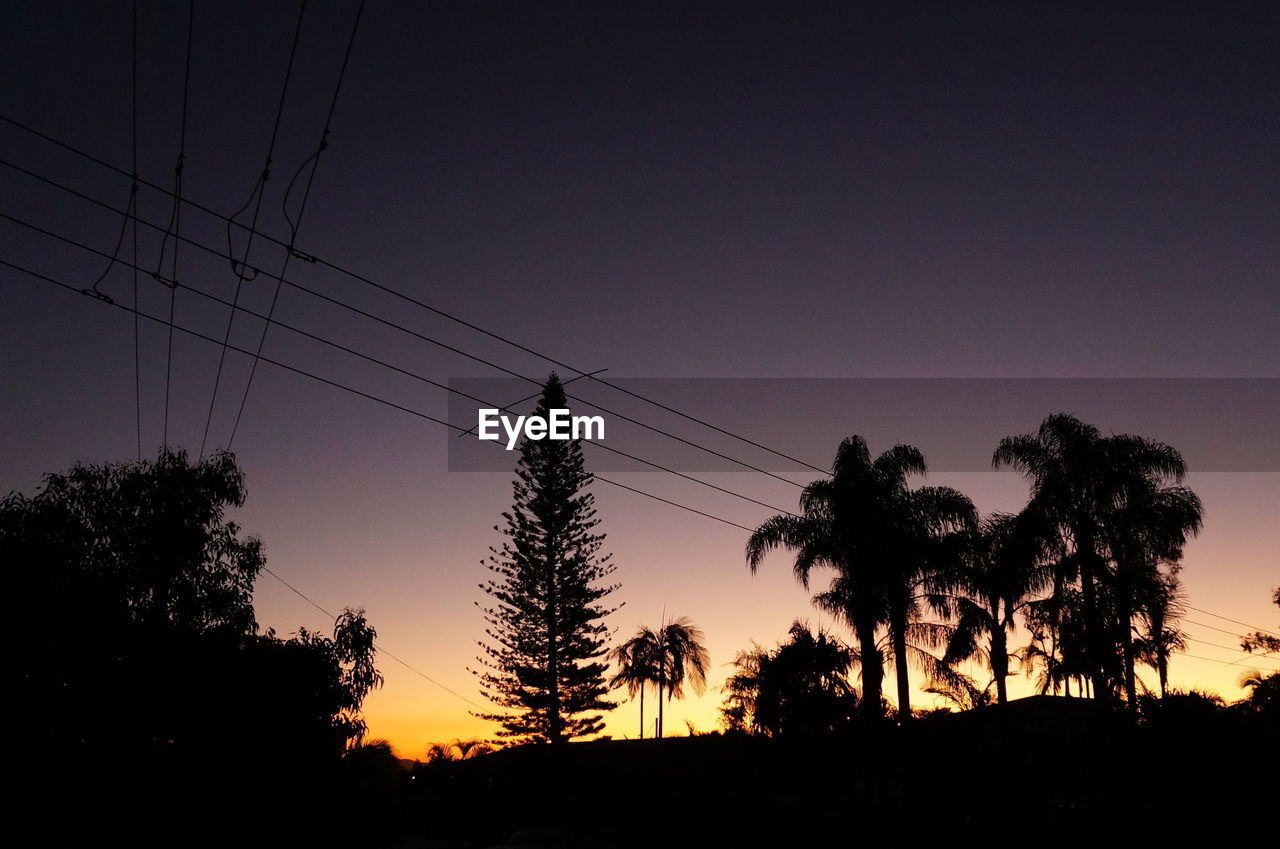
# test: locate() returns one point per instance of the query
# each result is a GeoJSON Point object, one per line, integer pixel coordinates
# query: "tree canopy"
{"type": "Point", "coordinates": [136, 647]}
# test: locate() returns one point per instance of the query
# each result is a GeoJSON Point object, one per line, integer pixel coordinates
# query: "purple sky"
{"type": "Point", "coordinates": [666, 190]}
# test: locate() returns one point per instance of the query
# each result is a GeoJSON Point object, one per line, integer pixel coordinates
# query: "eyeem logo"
{"type": "Point", "coordinates": [559, 425]}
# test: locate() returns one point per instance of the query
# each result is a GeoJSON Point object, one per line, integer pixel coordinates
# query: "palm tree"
{"type": "Point", "coordinates": [1160, 636]}
{"type": "Point", "coordinates": [937, 524]}
{"type": "Point", "coordinates": [882, 540]}
{"type": "Point", "coordinates": [1004, 567]}
{"type": "Point", "coordinates": [682, 659]}
{"type": "Point", "coordinates": [638, 666]}
{"type": "Point", "coordinates": [458, 750]}
{"type": "Point", "coordinates": [961, 692]}
{"type": "Point", "coordinates": [1079, 480]}
{"type": "Point", "coordinates": [668, 658]}
{"type": "Point", "coordinates": [1147, 531]}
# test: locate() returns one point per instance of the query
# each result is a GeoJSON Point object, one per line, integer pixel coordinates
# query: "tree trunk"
{"type": "Point", "coordinates": [660, 688]}
{"type": "Point", "coordinates": [553, 654]}
{"type": "Point", "coordinates": [1000, 662]}
{"type": "Point", "coordinates": [1130, 676]}
{"type": "Point", "coordinates": [872, 672]}
{"type": "Point", "coordinates": [1093, 643]}
{"type": "Point", "coordinates": [900, 665]}
{"type": "Point", "coordinates": [642, 711]}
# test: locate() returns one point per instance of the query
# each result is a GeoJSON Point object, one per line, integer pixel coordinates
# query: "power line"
{"type": "Point", "coordinates": [1236, 621]}
{"type": "Point", "coordinates": [1211, 627]}
{"type": "Point", "coordinates": [350, 389]}
{"type": "Point", "coordinates": [1235, 649]}
{"type": "Point", "coordinates": [137, 356]}
{"type": "Point", "coordinates": [1216, 660]}
{"type": "Point", "coordinates": [409, 331]}
{"type": "Point", "coordinates": [175, 216]}
{"type": "Point", "coordinates": [404, 372]}
{"type": "Point", "coordinates": [314, 159]}
{"type": "Point", "coordinates": [381, 649]}
{"type": "Point", "coordinates": [260, 191]}
{"type": "Point", "coordinates": [429, 308]}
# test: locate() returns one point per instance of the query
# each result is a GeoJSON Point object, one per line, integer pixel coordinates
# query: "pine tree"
{"type": "Point", "coordinates": [542, 663]}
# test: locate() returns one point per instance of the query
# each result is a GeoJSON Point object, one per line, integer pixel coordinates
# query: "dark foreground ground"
{"type": "Point", "coordinates": [1037, 772]}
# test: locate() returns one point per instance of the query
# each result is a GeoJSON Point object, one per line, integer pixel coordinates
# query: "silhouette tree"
{"type": "Point", "coordinates": [667, 658]}
{"type": "Point", "coordinates": [458, 750]}
{"type": "Point", "coordinates": [1261, 641]}
{"type": "Point", "coordinates": [546, 635]}
{"type": "Point", "coordinates": [1158, 636]}
{"type": "Point", "coordinates": [800, 688]}
{"type": "Point", "coordinates": [961, 692]}
{"type": "Point", "coordinates": [638, 666]}
{"type": "Point", "coordinates": [1004, 566]}
{"type": "Point", "coordinates": [741, 690]}
{"type": "Point", "coordinates": [155, 669]}
{"type": "Point", "coordinates": [1264, 692]}
{"type": "Point", "coordinates": [882, 539]}
{"type": "Point", "coordinates": [1145, 534]}
{"type": "Point", "coordinates": [935, 525]}
{"type": "Point", "coordinates": [682, 659]}
{"type": "Point", "coordinates": [1081, 481]}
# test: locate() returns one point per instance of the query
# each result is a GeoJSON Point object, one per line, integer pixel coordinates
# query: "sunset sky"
{"type": "Point", "coordinates": [780, 218]}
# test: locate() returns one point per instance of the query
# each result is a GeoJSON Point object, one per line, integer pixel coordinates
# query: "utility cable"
{"type": "Point", "coordinates": [175, 217]}
{"type": "Point", "coordinates": [314, 159]}
{"type": "Point", "coordinates": [381, 649]}
{"type": "Point", "coordinates": [405, 372]}
{"type": "Point", "coordinates": [259, 190]}
{"type": "Point", "coordinates": [350, 389]}
{"type": "Point", "coordinates": [137, 354]}
{"type": "Point", "coordinates": [1236, 621]}
{"type": "Point", "coordinates": [409, 331]}
{"type": "Point", "coordinates": [423, 305]}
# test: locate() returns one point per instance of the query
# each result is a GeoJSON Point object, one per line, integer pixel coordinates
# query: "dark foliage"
{"type": "Point", "coordinates": [799, 688]}
{"type": "Point", "coordinates": [146, 693]}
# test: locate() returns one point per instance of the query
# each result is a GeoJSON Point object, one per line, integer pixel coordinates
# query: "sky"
{"type": "Point", "coordinates": [796, 221]}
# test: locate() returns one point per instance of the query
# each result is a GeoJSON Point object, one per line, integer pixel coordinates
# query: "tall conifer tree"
{"type": "Point", "coordinates": [546, 636]}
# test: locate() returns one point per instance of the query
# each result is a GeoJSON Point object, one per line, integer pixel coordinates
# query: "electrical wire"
{"type": "Point", "coordinates": [405, 372]}
{"type": "Point", "coordinates": [175, 217]}
{"type": "Point", "coordinates": [352, 390]}
{"type": "Point", "coordinates": [381, 649]}
{"type": "Point", "coordinates": [1236, 621]}
{"type": "Point", "coordinates": [259, 191]}
{"type": "Point", "coordinates": [409, 331]}
{"type": "Point", "coordinates": [291, 252]}
{"type": "Point", "coordinates": [427, 307]}
{"type": "Point", "coordinates": [137, 352]}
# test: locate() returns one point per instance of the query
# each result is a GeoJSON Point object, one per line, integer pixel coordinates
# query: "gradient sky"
{"type": "Point", "coordinates": [668, 190]}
